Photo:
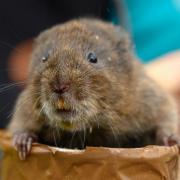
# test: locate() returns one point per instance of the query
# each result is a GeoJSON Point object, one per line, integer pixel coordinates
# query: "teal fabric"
{"type": "Point", "coordinates": [111, 14]}
{"type": "Point", "coordinates": [154, 26]}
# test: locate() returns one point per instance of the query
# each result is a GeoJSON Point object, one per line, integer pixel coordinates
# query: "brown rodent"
{"type": "Point", "coordinates": [86, 88]}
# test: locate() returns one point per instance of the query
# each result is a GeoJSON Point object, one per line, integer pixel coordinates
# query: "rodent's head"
{"type": "Point", "coordinates": [78, 71]}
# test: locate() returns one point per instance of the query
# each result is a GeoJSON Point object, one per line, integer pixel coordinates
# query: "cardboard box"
{"type": "Point", "coordinates": [49, 163]}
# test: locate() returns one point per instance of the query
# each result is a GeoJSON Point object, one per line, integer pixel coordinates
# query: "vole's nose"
{"type": "Point", "coordinates": [61, 88]}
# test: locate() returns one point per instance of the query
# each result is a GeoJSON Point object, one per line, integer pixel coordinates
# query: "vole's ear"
{"type": "Point", "coordinates": [123, 46]}
{"type": "Point", "coordinates": [123, 40]}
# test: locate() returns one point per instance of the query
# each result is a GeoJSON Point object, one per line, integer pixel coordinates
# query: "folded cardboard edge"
{"type": "Point", "coordinates": [149, 151]}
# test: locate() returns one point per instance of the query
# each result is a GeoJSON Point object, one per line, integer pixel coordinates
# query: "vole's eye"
{"type": "Point", "coordinates": [91, 57]}
{"type": "Point", "coordinates": [45, 58]}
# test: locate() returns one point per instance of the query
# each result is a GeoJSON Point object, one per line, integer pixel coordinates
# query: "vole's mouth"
{"type": "Point", "coordinates": [65, 112]}
{"type": "Point", "coordinates": [62, 106]}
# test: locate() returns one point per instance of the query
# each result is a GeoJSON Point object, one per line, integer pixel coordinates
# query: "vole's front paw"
{"type": "Point", "coordinates": [168, 140]}
{"type": "Point", "coordinates": [172, 140]}
{"type": "Point", "coordinates": [23, 142]}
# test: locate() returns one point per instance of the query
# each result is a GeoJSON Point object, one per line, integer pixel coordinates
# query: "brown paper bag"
{"type": "Point", "coordinates": [49, 163]}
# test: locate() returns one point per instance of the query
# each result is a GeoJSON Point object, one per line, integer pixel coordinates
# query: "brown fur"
{"type": "Point", "coordinates": [115, 103]}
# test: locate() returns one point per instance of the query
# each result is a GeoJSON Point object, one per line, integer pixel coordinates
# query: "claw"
{"type": "Point", "coordinates": [29, 143]}
{"type": "Point", "coordinates": [23, 143]}
{"type": "Point", "coordinates": [172, 140]}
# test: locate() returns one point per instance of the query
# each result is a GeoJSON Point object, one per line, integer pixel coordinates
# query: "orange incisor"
{"type": "Point", "coordinates": [62, 105]}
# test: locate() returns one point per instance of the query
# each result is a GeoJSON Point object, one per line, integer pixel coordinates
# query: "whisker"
{"type": "Point", "coordinates": [84, 132]}
{"type": "Point", "coordinates": [12, 47]}
{"type": "Point", "coordinates": [57, 131]}
{"type": "Point", "coordinates": [54, 139]}
{"type": "Point", "coordinates": [26, 100]}
{"type": "Point", "coordinates": [115, 137]}
{"type": "Point", "coordinates": [4, 108]}
{"type": "Point", "coordinates": [10, 86]}
{"type": "Point", "coordinates": [72, 138]}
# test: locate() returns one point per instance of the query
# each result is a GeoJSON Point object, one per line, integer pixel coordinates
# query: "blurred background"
{"type": "Point", "coordinates": [154, 28]}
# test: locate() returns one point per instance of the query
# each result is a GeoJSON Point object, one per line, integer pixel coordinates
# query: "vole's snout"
{"type": "Point", "coordinates": [61, 87]}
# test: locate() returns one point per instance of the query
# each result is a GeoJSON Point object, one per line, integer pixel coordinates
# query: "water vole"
{"type": "Point", "coordinates": [85, 87]}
